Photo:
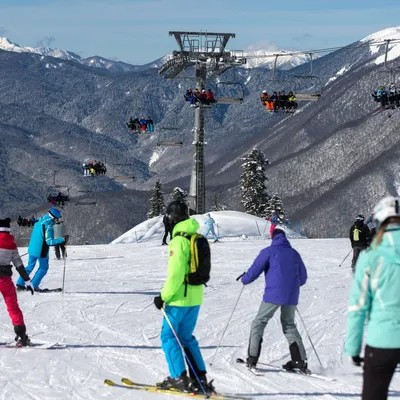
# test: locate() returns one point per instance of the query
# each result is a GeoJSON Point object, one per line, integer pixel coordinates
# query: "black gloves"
{"type": "Point", "coordinates": [158, 302]}
{"type": "Point", "coordinates": [240, 276]}
{"type": "Point", "coordinates": [357, 360]}
{"type": "Point", "coordinates": [66, 237]}
{"type": "Point", "coordinates": [29, 286]}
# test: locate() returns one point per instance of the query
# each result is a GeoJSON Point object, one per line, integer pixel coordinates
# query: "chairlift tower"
{"type": "Point", "coordinates": [205, 52]}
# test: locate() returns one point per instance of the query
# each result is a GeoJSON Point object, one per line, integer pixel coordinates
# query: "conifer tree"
{"type": "Point", "coordinates": [276, 203]}
{"type": "Point", "coordinates": [216, 206]}
{"type": "Point", "coordinates": [157, 206]}
{"type": "Point", "coordinates": [254, 196]}
{"type": "Point", "coordinates": [179, 194]}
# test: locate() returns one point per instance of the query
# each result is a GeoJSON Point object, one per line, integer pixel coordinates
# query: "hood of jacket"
{"type": "Point", "coordinates": [280, 240]}
{"type": "Point", "coordinates": [189, 226]}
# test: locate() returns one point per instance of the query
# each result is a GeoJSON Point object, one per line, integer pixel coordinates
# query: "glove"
{"type": "Point", "coordinates": [158, 302]}
{"type": "Point", "coordinates": [357, 360]}
{"type": "Point", "coordinates": [240, 276]}
{"type": "Point", "coordinates": [28, 285]}
{"type": "Point", "coordinates": [66, 237]}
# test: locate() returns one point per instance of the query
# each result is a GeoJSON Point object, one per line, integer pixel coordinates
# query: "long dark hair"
{"type": "Point", "coordinates": [381, 231]}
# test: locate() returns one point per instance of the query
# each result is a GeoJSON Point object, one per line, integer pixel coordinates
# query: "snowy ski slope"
{"type": "Point", "coordinates": [111, 328]}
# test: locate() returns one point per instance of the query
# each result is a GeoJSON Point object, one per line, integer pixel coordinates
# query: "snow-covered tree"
{"type": "Point", "coordinates": [254, 196]}
{"type": "Point", "coordinates": [157, 206]}
{"type": "Point", "coordinates": [216, 206]}
{"type": "Point", "coordinates": [275, 203]}
{"type": "Point", "coordinates": [179, 194]}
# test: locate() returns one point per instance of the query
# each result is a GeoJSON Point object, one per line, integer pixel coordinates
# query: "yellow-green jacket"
{"type": "Point", "coordinates": [173, 292]}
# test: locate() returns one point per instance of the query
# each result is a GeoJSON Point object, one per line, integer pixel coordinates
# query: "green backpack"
{"type": "Point", "coordinates": [356, 235]}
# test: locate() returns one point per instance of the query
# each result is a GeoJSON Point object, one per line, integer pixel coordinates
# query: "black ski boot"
{"type": "Point", "coordinates": [22, 338]}
{"type": "Point", "coordinates": [206, 387]}
{"type": "Point", "coordinates": [251, 362]}
{"type": "Point", "coordinates": [20, 288]}
{"type": "Point", "coordinates": [296, 365]}
{"type": "Point", "coordinates": [181, 383]}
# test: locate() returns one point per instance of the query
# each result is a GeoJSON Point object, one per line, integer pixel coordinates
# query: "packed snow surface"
{"type": "Point", "coordinates": [107, 320]}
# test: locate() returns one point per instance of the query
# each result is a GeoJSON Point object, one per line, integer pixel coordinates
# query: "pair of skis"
{"type": "Point", "coordinates": [266, 367]}
{"type": "Point", "coordinates": [43, 346]}
{"type": "Point", "coordinates": [128, 384]}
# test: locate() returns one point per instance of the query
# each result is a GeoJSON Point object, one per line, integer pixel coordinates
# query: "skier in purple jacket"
{"type": "Point", "coordinates": [284, 272]}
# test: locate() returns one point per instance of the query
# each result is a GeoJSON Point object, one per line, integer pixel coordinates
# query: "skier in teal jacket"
{"type": "Point", "coordinates": [375, 299]}
{"type": "Point", "coordinates": [41, 239]}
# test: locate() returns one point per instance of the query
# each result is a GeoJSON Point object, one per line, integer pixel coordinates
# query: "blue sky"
{"type": "Point", "coordinates": [136, 31]}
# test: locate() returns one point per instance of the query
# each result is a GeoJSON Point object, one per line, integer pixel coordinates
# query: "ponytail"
{"type": "Point", "coordinates": [379, 235]}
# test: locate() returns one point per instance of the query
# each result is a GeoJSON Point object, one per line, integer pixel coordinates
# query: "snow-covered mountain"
{"type": "Point", "coordinates": [259, 58]}
{"type": "Point", "coordinates": [390, 34]}
{"type": "Point", "coordinates": [7, 45]}
{"type": "Point", "coordinates": [266, 59]}
{"type": "Point", "coordinates": [43, 119]}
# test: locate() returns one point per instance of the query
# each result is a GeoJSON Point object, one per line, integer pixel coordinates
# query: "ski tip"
{"type": "Point", "coordinates": [109, 382]}
{"type": "Point", "coordinates": [240, 361]}
{"type": "Point", "coordinates": [127, 381]}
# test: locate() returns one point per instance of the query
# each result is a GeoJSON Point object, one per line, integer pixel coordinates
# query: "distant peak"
{"type": "Point", "coordinates": [385, 34]}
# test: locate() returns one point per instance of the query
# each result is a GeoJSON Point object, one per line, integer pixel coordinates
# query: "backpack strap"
{"type": "Point", "coordinates": [188, 237]}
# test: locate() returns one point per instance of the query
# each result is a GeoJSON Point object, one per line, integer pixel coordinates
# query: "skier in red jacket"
{"type": "Point", "coordinates": [9, 254]}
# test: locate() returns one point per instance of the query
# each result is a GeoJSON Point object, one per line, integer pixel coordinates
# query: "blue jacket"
{"type": "Point", "coordinates": [284, 272]}
{"type": "Point", "coordinates": [209, 222]}
{"type": "Point", "coordinates": [375, 296]}
{"type": "Point", "coordinates": [274, 219]}
{"type": "Point", "coordinates": [42, 237]}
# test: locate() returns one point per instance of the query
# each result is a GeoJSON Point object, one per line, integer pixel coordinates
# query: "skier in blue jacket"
{"type": "Point", "coordinates": [209, 223]}
{"type": "Point", "coordinates": [284, 273]}
{"type": "Point", "coordinates": [375, 299]}
{"type": "Point", "coordinates": [42, 237]}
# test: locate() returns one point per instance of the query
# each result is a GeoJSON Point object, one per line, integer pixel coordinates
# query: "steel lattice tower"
{"type": "Point", "coordinates": [205, 52]}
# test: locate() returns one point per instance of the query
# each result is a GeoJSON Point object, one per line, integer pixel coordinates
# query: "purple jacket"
{"type": "Point", "coordinates": [284, 272]}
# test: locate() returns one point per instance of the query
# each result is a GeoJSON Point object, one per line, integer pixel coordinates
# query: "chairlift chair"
{"type": "Point", "coordinates": [121, 178]}
{"type": "Point", "coordinates": [91, 201]}
{"type": "Point", "coordinates": [170, 137]}
{"type": "Point", "coordinates": [235, 89]}
{"type": "Point", "coordinates": [52, 192]}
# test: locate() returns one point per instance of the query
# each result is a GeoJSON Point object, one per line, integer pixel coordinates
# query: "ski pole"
{"type": "Point", "coordinates": [229, 320]}
{"type": "Point", "coordinates": [309, 338]}
{"type": "Point", "coordinates": [24, 254]}
{"type": "Point", "coordinates": [345, 258]}
{"type": "Point", "coordinates": [65, 267]}
{"type": "Point", "coordinates": [184, 352]}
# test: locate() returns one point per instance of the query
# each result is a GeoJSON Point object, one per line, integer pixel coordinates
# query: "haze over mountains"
{"type": "Point", "coordinates": [329, 162]}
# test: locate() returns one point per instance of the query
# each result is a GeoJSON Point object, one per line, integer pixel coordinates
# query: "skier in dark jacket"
{"type": "Point", "coordinates": [284, 272]}
{"type": "Point", "coordinates": [167, 229]}
{"type": "Point", "coordinates": [360, 237]}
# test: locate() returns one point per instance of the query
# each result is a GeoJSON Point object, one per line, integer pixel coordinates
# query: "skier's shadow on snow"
{"type": "Point", "coordinates": [117, 292]}
{"type": "Point", "coordinates": [312, 394]}
{"type": "Point", "coordinates": [122, 346]}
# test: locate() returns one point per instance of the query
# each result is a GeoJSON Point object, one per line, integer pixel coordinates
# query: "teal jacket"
{"type": "Point", "coordinates": [375, 296]}
{"type": "Point", "coordinates": [42, 237]}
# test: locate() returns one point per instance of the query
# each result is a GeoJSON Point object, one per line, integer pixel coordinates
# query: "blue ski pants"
{"type": "Point", "coordinates": [40, 273]}
{"type": "Point", "coordinates": [211, 229]}
{"type": "Point", "coordinates": [183, 320]}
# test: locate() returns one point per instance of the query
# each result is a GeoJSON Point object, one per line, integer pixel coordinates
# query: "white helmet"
{"type": "Point", "coordinates": [386, 208]}
{"type": "Point", "coordinates": [264, 91]}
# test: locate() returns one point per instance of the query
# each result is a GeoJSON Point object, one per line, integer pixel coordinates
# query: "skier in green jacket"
{"type": "Point", "coordinates": [375, 299]}
{"type": "Point", "coordinates": [181, 308]}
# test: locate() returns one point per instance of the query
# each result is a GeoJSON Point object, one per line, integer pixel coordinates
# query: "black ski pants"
{"type": "Point", "coordinates": [57, 248]}
{"type": "Point", "coordinates": [164, 240]}
{"type": "Point", "coordinates": [356, 252]}
{"type": "Point", "coordinates": [379, 367]}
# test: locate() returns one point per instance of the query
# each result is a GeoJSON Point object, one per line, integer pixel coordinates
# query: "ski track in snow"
{"type": "Point", "coordinates": [111, 327]}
